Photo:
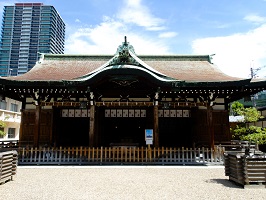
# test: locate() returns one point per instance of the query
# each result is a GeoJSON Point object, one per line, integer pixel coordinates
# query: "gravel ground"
{"type": "Point", "coordinates": [125, 182]}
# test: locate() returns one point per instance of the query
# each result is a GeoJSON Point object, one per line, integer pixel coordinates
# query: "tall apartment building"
{"type": "Point", "coordinates": [29, 29]}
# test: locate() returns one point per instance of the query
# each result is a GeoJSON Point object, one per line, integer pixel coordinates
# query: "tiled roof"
{"type": "Point", "coordinates": [68, 67]}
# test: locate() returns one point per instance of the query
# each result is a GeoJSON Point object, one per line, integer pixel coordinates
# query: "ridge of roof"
{"type": "Point", "coordinates": [127, 52]}
{"type": "Point", "coordinates": [143, 57]}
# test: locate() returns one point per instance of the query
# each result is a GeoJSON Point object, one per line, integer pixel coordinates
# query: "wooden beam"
{"type": "Point", "coordinates": [156, 125]}
{"type": "Point", "coordinates": [210, 125]}
{"type": "Point", "coordinates": [36, 135]}
{"type": "Point", "coordinates": [92, 126]}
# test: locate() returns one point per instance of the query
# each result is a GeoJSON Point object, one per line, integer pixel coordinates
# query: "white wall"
{"type": "Point", "coordinates": [11, 119]}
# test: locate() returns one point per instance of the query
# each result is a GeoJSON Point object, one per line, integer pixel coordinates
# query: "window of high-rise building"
{"type": "Point", "coordinates": [25, 26]}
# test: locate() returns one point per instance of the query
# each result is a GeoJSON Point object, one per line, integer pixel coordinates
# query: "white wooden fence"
{"type": "Point", "coordinates": [121, 155]}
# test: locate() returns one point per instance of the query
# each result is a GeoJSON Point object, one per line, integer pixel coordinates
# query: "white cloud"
{"type": "Point", "coordinates": [77, 20]}
{"type": "Point", "coordinates": [235, 54]}
{"type": "Point", "coordinates": [96, 40]}
{"type": "Point", "coordinates": [105, 38]}
{"type": "Point", "coordinates": [255, 19]}
{"type": "Point", "coordinates": [136, 13]}
{"type": "Point", "coordinates": [168, 35]}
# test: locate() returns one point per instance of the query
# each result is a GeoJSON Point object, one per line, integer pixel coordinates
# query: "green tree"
{"type": "Point", "coordinates": [2, 125]}
{"type": "Point", "coordinates": [252, 133]}
{"type": "Point", "coordinates": [236, 107]}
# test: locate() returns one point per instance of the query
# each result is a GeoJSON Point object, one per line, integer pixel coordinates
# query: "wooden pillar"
{"type": "Point", "coordinates": [52, 142]}
{"type": "Point", "coordinates": [156, 125]}
{"type": "Point", "coordinates": [23, 106]}
{"type": "Point", "coordinates": [92, 126]}
{"type": "Point", "coordinates": [22, 124]}
{"type": "Point", "coordinates": [156, 120]}
{"type": "Point", "coordinates": [37, 126]}
{"type": "Point", "coordinates": [210, 125]}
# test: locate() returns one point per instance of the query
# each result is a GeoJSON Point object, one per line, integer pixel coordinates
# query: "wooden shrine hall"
{"type": "Point", "coordinates": [104, 100]}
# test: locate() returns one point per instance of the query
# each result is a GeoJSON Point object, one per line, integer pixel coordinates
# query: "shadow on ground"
{"type": "Point", "coordinates": [225, 182]}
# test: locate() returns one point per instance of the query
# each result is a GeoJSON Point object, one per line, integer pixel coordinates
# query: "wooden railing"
{"type": "Point", "coordinates": [120, 155]}
{"type": "Point", "coordinates": [8, 165]}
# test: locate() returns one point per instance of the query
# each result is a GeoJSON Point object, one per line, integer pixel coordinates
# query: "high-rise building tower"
{"type": "Point", "coordinates": [29, 29]}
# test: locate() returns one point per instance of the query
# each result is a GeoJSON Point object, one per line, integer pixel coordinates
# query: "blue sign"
{"type": "Point", "coordinates": [148, 134]}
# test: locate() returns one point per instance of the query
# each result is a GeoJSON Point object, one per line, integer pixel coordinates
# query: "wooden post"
{"type": "Point", "coordinates": [156, 125]}
{"type": "Point", "coordinates": [149, 152]}
{"type": "Point", "coordinates": [36, 135]}
{"type": "Point", "coordinates": [210, 125]}
{"type": "Point", "coordinates": [23, 116]}
{"type": "Point", "coordinates": [92, 126]}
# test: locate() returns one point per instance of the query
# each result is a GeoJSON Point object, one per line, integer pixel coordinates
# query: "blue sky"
{"type": "Point", "coordinates": [233, 30]}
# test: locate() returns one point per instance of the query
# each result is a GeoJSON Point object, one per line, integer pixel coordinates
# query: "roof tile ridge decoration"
{"type": "Point", "coordinates": [125, 56]}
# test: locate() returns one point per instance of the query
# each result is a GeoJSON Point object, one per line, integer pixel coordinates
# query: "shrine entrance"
{"type": "Point", "coordinates": [175, 127]}
{"type": "Point", "coordinates": [123, 126]}
{"type": "Point", "coordinates": [73, 132]}
{"type": "Point", "coordinates": [123, 132]}
{"type": "Point", "coordinates": [71, 127]}
{"type": "Point", "coordinates": [176, 132]}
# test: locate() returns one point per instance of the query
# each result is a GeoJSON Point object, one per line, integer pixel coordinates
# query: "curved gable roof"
{"type": "Point", "coordinates": [163, 67]}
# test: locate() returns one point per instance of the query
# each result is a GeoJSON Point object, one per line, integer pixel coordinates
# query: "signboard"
{"type": "Point", "coordinates": [149, 136]}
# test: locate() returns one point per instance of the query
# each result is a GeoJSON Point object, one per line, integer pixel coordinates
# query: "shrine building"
{"type": "Point", "coordinates": [110, 100]}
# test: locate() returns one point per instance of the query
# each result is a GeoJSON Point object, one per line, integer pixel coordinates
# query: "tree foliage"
{"type": "Point", "coordinates": [2, 125]}
{"type": "Point", "coordinates": [237, 107]}
{"type": "Point", "coordinates": [250, 114]}
{"type": "Point", "coordinates": [251, 133]}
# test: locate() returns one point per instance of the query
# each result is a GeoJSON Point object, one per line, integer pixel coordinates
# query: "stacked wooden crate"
{"type": "Point", "coordinates": [8, 165]}
{"type": "Point", "coordinates": [255, 170]}
{"type": "Point", "coordinates": [234, 167]}
{"type": "Point", "coordinates": [246, 170]}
